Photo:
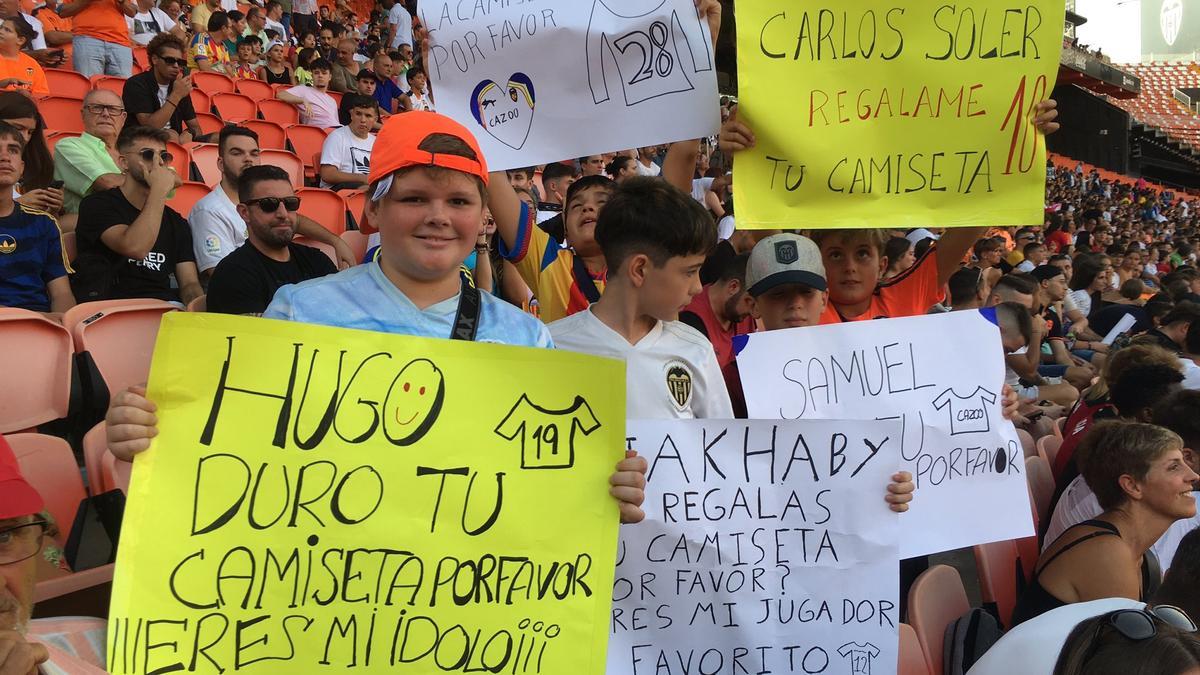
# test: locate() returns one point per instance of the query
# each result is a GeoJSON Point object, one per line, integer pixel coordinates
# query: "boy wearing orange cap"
{"type": "Point", "coordinates": [428, 186]}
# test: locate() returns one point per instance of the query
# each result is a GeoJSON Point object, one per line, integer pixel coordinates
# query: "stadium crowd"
{"type": "Point", "coordinates": [634, 254]}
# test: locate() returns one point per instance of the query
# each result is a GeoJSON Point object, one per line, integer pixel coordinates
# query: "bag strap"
{"type": "Point", "coordinates": [584, 280]}
{"type": "Point", "coordinates": [466, 319]}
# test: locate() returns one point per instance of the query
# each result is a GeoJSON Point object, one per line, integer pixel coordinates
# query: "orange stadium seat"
{"type": "Point", "coordinates": [201, 101]}
{"type": "Point", "coordinates": [186, 196]}
{"type": "Point", "coordinates": [204, 163]}
{"type": "Point", "coordinates": [213, 83]}
{"type": "Point", "coordinates": [110, 82]}
{"type": "Point", "coordinates": [53, 138]}
{"type": "Point", "coordinates": [38, 373]}
{"type": "Point", "coordinates": [67, 83]}
{"type": "Point", "coordinates": [936, 598]}
{"type": "Point", "coordinates": [324, 206]}
{"type": "Point", "coordinates": [278, 112]}
{"type": "Point", "coordinates": [95, 444]}
{"type": "Point", "coordinates": [62, 113]}
{"type": "Point", "coordinates": [1000, 576]}
{"type": "Point", "coordinates": [357, 241]}
{"type": "Point", "coordinates": [270, 134]}
{"type": "Point", "coordinates": [356, 201]}
{"type": "Point", "coordinates": [286, 161]}
{"type": "Point", "coordinates": [912, 658]}
{"type": "Point", "coordinates": [1041, 483]}
{"type": "Point", "coordinates": [233, 107]}
{"type": "Point", "coordinates": [117, 339]}
{"type": "Point", "coordinates": [1048, 448]}
{"type": "Point", "coordinates": [255, 89]}
{"type": "Point", "coordinates": [141, 57]}
{"type": "Point", "coordinates": [181, 159]}
{"type": "Point", "coordinates": [306, 142]}
{"type": "Point", "coordinates": [199, 304]}
{"type": "Point", "coordinates": [209, 123]}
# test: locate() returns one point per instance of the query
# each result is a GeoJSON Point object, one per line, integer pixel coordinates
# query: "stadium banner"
{"type": "Point", "coordinates": [541, 82]}
{"type": "Point", "coordinates": [329, 498]}
{"type": "Point", "coordinates": [767, 548]}
{"type": "Point", "coordinates": [900, 115]}
{"type": "Point", "coordinates": [965, 458]}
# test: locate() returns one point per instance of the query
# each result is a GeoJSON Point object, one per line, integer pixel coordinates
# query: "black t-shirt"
{"type": "Point", "coordinates": [103, 274]}
{"type": "Point", "coordinates": [245, 281]}
{"type": "Point", "coordinates": [1106, 319]}
{"type": "Point", "coordinates": [141, 96]}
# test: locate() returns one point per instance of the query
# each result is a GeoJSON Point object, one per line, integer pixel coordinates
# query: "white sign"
{"type": "Point", "coordinates": [941, 376]}
{"type": "Point", "coordinates": [767, 548]}
{"type": "Point", "coordinates": [544, 81]}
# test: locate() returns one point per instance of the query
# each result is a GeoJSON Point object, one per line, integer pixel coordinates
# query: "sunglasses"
{"type": "Point", "coordinates": [172, 61]}
{"type": "Point", "coordinates": [1141, 624]}
{"type": "Point", "coordinates": [271, 204]}
{"type": "Point", "coordinates": [147, 155]}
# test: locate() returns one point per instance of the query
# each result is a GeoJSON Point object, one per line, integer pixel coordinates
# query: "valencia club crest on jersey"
{"type": "Point", "coordinates": [679, 384]}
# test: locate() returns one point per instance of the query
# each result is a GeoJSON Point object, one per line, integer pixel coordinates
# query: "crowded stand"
{"type": "Point", "coordinates": [282, 160]}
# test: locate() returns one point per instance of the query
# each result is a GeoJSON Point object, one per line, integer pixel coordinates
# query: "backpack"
{"type": "Point", "coordinates": [967, 638]}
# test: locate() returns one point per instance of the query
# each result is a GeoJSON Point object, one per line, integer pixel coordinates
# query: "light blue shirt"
{"type": "Point", "coordinates": [362, 297]}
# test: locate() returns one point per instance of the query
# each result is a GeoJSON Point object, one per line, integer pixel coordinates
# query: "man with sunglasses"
{"type": "Point", "coordinates": [130, 243]}
{"type": "Point", "coordinates": [245, 281]}
{"type": "Point", "coordinates": [23, 530]}
{"type": "Point", "coordinates": [161, 97]}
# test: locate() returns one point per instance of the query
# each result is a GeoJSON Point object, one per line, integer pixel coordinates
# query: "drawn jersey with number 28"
{"type": "Point", "coordinates": [637, 52]}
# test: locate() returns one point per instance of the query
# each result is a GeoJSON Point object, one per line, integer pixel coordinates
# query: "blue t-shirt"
{"type": "Point", "coordinates": [386, 92]}
{"type": "Point", "coordinates": [31, 256]}
{"type": "Point", "coordinates": [362, 297]}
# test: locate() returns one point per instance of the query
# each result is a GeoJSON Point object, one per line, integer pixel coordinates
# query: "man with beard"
{"type": "Point", "coordinates": [722, 309]}
{"type": "Point", "coordinates": [246, 280]}
{"type": "Point", "coordinates": [217, 227]}
{"type": "Point", "coordinates": [130, 242]}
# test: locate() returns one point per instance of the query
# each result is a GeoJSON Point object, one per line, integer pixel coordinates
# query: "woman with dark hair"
{"type": "Point", "coordinates": [21, 112]}
{"type": "Point", "coordinates": [1157, 640]}
{"type": "Point", "coordinates": [1088, 281]}
{"type": "Point", "coordinates": [1138, 475]}
{"type": "Point", "coordinates": [18, 70]}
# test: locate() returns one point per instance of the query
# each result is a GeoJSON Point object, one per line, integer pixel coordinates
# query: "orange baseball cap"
{"type": "Point", "coordinates": [396, 148]}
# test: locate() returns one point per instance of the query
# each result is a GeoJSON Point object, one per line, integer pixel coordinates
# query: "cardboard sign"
{"type": "Point", "coordinates": [940, 376]}
{"type": "Point", "coordinates": [909, 114]}
{"type": "Point", "coordinates": [325, 498]}
{"type": "Point", "coordinates": [767, 548]}
{"type": "Point", "coordinates": [541, 82]}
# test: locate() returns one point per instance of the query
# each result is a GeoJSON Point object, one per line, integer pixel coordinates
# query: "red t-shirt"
{"type": "Point", "coordinates": [1076, 427]}
{"type": "Point", "coordinates": [910, 293]}
{"type": "Point", "coordinates": [720, 337]}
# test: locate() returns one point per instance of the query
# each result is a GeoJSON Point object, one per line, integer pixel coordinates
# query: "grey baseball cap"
{"type": "Point", "coordinates": [784, 259]}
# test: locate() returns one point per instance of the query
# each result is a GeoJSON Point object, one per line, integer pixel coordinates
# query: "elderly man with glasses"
{"type": "Point", "coordinates": [88, 163]}
{"type": "Point", "coordinates": [26, 646]}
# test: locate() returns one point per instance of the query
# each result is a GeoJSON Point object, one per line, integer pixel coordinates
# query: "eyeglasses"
{"type": "Point", "coordinates": [110, 110]}
{"type": "Point", "coordinates": [172, 61]}
{"type": "Point", "coordinates": [271, 204]}
{"type": "Point", "coordinates": [147, 155]}
{"type": "Point", "coordinates": [21, 542]}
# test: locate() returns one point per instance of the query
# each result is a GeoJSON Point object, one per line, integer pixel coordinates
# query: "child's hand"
{"type": "Point", "coordinates": [130, 423]}
{"type": "Point", "coordinates": [629, 486]}
{"type": "Point", "coordinates": [900, 492]}
{"type": "Point", "coordinates": [735, 135]}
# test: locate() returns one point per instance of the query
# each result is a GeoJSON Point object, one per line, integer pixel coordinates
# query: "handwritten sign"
{"type": "Point", "coordinates": [909, 114]}
{"type": "Point", "coordinates": [561, 79]}
{"type": "Point", "coordinates": [767, 548]}
{"type": "Point", "coordinates": [324, 498]}
{"type": "Point", "coordinates": [941, 376]}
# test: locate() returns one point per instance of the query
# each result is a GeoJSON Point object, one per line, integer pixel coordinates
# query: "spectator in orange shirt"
{"type": "Point", "coordinates": [101, 44]}
{"type": "Point", "coordinates": [18, 70]}
{"type": "Point", "coordinates": [57, 30]}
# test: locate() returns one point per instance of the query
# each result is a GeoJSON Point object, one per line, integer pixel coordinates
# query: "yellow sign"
{"type": "Point", "coordinates": [910, 114]}
{"type": "Point", "coordinates": [322, 498]}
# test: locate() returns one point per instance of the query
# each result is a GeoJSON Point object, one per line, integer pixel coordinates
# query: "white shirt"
{"type": "Point", "coordinates": [1082, 300]}
{"type": "Point", "coordinates": [650, 171]}
{"type": "Point", "coordinates": [39, 40]}
{"type": "Point", "coordinates": [347, 152]}
{"type": "Point", "coordinates": [700, 188]}
{"type": "Point", "coordinates": [1025, 266]}
{"type": "Point", "coordinates": [543, 216]}
{"type": "Point", "coordinates": [725, 228]}
{"type": "Point", "coordinates": [271, 24]}
{"type": "Point", "coordinates": [1033, 646]}
{"type": "Point", "coordinates": [217, 229]}
{"type": "Point", "coordinates": [402, 20]}
{"type": "Point", "coordinates": [1191, 373]}
{"type": "Point", "coordinates": [671, 373]}
{"type": "Point", "coordinates": [141, 25]}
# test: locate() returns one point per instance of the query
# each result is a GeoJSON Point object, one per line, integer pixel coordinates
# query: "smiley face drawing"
{"type": "Point", "coordinates": [413, 402]}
